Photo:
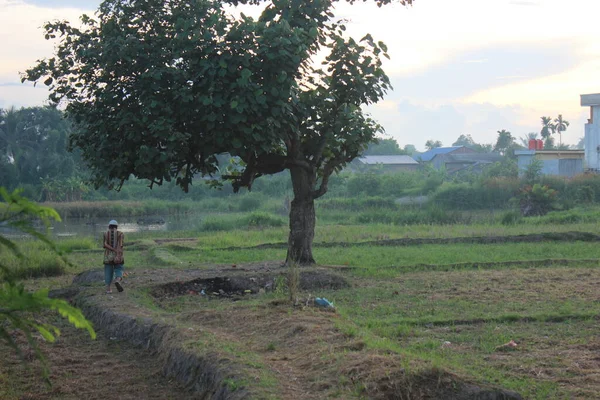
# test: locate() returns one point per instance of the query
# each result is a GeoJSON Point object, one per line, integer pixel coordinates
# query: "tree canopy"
{"type": "Point", "coordinates": [158, 88]}
{"type": "Point", "coordinates": [33, 146]}
{"type": "Point", "coordinates": [504, 142]}
{"type": "Point", "coordinates": [432, 144]}
{"type": "Point", "coordinates": [467, 141]}
{"type": "Point", "coordinates": [384, 147]}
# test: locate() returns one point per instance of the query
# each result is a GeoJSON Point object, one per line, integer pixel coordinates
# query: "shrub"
{"type": "Point", "coordinates": [511, 218]}
{"type": "Point", "coordinates": [533, 172]}
{"type": "Point", "coordinates": [584, 195]}
{"type": "Point", "coordinates": [363, 183]}
{"type": "Point", "coordinates": [591, 183]}
{"type": "Point", "coordinates": [263, 219]}
{"type": "Point", "coordinates": [537, 200]}
{"type": "Point", "coordinates": [357, 204]}
{"type": "Point", "coordinates": [395, 185]}
{"type": "Point", "coordinates": [251, 202]}
{"type": "Point", "coordinates": [215, 223]}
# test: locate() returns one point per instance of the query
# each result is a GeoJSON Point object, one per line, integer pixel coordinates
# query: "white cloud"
{"type": "Point", "coordinates": [22, 36]}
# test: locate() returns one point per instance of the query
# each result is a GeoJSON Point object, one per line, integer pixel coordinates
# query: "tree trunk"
{"type": "Point", "coordinates": [302, 218]}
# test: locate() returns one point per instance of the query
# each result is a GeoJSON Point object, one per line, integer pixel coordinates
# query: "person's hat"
{"type": "Point", "coordinates": [112, 222]}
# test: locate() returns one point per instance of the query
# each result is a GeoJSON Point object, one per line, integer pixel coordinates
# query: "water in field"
{"type": "Point", "coordinates": [95, 226]}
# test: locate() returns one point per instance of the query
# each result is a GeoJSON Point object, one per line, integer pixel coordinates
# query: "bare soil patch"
{"type": "Point", "coordinates": [247, 283]}
{"type": "Point", "coordinates": [274, 349]}
{"type": "Point", "coordinates": [82, 368]}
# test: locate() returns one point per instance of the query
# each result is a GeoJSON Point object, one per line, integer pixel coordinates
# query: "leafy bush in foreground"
{"type": "Point", "coordinates": [17, 306]}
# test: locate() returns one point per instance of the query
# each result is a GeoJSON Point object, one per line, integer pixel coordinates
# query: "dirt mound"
{"type": "Point", "coordinates": [238, 285]}
{"type": "Point", "coordinates": [89, 277]}
{"type": "Point", "coordinates": [382, 378]}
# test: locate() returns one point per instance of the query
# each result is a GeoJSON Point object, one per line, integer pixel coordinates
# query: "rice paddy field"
{"type": "Point", "coordinates": [519, 312]}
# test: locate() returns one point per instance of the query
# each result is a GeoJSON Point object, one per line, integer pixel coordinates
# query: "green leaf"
{"type": "Point", "coordinates": [246, 73]}
{"type": "Point", "coordinates": [233, 104]}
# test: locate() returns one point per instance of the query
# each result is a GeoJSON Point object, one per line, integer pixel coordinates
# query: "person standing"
{"type": "Point", "coordinates": [113, 257]}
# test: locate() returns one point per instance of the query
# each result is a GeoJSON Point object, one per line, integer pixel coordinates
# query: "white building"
{"type": "Point", "coordinates": [592, 131]}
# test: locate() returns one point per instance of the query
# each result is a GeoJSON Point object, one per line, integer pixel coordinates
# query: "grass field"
{"type": "Point", "coordinates": [450, 307]}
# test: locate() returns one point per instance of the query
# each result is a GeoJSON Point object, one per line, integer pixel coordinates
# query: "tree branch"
{"type": "Point", "coordinates": [327, 171]}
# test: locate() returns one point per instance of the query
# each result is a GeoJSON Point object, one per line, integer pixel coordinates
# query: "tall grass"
{"type": "Point", "coordinates": [115, 209]}
{"type": "Point", "coordinates": [38, 261]}
{"type": "Point", "coordinates": [229, 222]}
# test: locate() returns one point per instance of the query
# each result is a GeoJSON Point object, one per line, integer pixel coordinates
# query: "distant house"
{"type": "Point", "coordinates": [454, 162]}
{"type": "Point", "coordinates": [429, 155]}
{"type": "Point", "coordinates": [393, 163]}
{"type": "Point", "coordinates": [565, 163]}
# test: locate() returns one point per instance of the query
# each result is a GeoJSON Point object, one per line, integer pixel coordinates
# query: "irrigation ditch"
{"type": "Point", "coordinates": [210, 375]}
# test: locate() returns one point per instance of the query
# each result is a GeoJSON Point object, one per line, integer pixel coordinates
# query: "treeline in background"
{"type": "Point", "coordinates": [35, 157]}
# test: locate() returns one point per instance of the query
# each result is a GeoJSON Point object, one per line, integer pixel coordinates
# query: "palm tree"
{"type": "Point", "coordinates": [547, 127]}
{"type": "Point", "coordinates": [525, 139]}
{"type": "Point", "coordinates": [560, 125]}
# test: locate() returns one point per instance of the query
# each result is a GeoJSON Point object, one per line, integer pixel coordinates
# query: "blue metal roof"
{"type": "Point", "coordinates": [388, 160]}
{"type": "Point", "coordinates": [429, 154]}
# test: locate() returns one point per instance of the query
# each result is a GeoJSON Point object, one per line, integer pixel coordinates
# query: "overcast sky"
{"type": "Point", "coordinates": [457, 67]}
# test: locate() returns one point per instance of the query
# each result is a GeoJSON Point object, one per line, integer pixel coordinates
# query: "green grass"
{"type": "Point", "coordinates": [79, 243]}
{"type": "Point", "coordinates": [409, 300]}
{"type": "Point", "coordinates": [38, 261]}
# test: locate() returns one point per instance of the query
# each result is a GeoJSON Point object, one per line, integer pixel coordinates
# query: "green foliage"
{"type": "Point", "coordinates": [433, 144]}
{"type": "Point", "coordinates": [33, 146]}
{"type": "Point", "coordinates": [476, 196]}
{"type": "Point", "coordinates": [585, 187]}
{"type": "Point", "coordinates": [467, 141]}
{"type": "Point", "coordinates": [504, 142]}
{"type": "Point", "coordinates": [533, 172]}
{"type": "Point", "coordinates": [505, 169]}
{"type": "Point", "coordinates": [257, 219]}
{"type": "Point", "coordinates": [430, 216]}
{"type": "Point", "coordinates": [537, 200]}
{"type": "Point", "coordinates": [511, 217]}
{"type": "Point", "coordinates": [396, 185]}
{"type": "Point", "coordinates": [244, 110]}
{"type": "Point", "coordinates": [143, 79]}
{"type": "Point", "coordinates": [76, 243]}
{"type": "Point", "coordinates": [365, 184]}
{"type": "Point", "coordinates": [263, 219]}
{"type": "Point", "coordinates": [384, 147]}
{"type": "Point", "coordinates": [357, 204]}
{"type": "Point", "coordinates": [251, 202]}
{"type": "Point", "coordinates": [38, 260]}
{"type": "Point", "coordinates": [18, 307]}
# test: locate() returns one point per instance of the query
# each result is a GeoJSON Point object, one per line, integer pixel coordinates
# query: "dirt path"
{"type": "Point", "coordinates": [82, 368]}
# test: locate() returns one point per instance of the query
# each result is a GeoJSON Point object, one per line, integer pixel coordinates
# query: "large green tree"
{"type": "Point", "coordinates": [158, 88]}
{"type": "Point", "coordinates": [33, 146]}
